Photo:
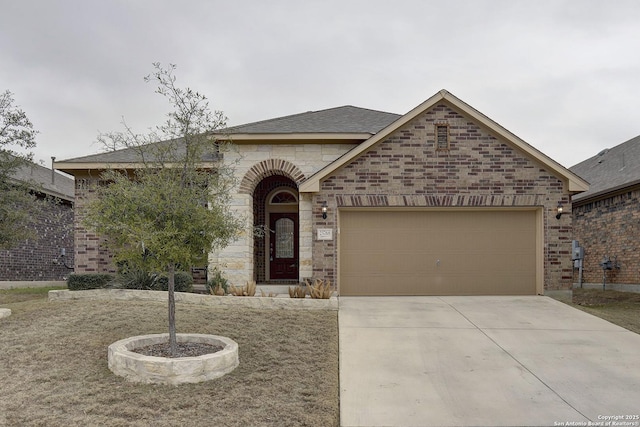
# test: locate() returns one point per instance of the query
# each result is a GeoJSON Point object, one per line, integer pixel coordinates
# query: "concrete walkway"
{"type": "Point", "coordinates": [483, 361]}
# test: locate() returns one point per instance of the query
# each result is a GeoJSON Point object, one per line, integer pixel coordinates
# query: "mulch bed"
{"type": "Point", "coordinates": [184, 349]}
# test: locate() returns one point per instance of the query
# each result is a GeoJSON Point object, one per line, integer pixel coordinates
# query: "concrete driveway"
{"type": "Point", "coordinates": [483, 361]}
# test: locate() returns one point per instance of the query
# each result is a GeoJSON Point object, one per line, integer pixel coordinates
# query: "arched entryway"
{"type": "Point", "coordinates": [275, 210]}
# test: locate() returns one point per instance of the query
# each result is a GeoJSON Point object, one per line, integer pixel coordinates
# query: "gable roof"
{"type": "Point", "coordinates": [610, 170]}
{"type": "Point", "coordinates": [338, 120]}
{"type": "Point", "coordinates": [574, 182]}
{"type": "Point", "coordinates": [49, 181]}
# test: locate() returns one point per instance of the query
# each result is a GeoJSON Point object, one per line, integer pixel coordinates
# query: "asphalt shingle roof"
{"type": "Point", "coordinates": [126, 155]}
{"type": "Point", "coordinates": [63, 186]}
{"type": "Point", "coordinates": [346, 119]}
{"type": "Point", "coordinates": [610, 169]}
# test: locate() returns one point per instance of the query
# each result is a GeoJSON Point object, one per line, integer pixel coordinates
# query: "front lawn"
{"type": "Point", "coordinates": [620, 308]}
{"type": "Point", "coordinates": [53, 366]}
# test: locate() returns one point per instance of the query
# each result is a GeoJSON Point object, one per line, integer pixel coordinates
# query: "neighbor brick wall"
{"type": "Point", "coordinates": [33, 259]}
{"type": "Point", "coordinates": [610, 227]}
{"type": "Point", "coordinates": [478, 170]}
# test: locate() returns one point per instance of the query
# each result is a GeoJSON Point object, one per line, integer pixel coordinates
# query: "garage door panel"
{"type": "Point", "coordinates": [437, 252]}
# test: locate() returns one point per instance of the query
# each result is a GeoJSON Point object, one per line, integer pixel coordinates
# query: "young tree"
{"type": "Point", "coordinates": [16, 199]}
{"type": "Point", "coordinates": [172, 206]}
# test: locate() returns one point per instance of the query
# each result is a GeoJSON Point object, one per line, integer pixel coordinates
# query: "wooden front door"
{"type": "Point", "coordinates": [283, 246]}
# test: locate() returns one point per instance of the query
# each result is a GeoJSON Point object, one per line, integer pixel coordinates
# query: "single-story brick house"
{"type": "Point", "coordinates": [39, 259]}
{"type": "Point", "coordinates": [606, 216]}
{"type": "Point", "coordinates": [441, 200]}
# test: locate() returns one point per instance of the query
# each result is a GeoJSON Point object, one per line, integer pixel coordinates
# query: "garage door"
{"type": "Point", "coordinates": [445, 252]}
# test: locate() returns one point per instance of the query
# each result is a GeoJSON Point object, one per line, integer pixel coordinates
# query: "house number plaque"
{"type": "Point", "coordinates": [325, 233]}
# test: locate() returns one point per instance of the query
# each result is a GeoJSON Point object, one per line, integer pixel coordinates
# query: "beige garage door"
{"type": "Point", "coordinates": [446, 252]}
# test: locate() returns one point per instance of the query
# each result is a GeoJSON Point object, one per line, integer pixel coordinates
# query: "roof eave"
{"type": "Point", "coordinates": [575, 184]}
{"type": "Point", "coordinates": [59, 195]}
{"type": "Point", "coordinates": [71, 167]}
{"type": "Point", "coordinates": [296, 137]}
{"type": "Point", "coordinates": [608, 192]}
{"type": "Point", "coordinates": [46, 190]}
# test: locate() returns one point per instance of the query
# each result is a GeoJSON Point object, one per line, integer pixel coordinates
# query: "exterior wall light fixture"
{"type": "Point", "coordinates": [63, 254]}
{"type": "Point", "coordinates": [324, 210]}
{"type": "Point", "coordinates": [559, 211]}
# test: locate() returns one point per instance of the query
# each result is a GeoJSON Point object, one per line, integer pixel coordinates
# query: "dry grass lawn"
{"type": "Point", "coordinates": [620, 308]}
{"type": "Point", "coordinates": [53, 366]}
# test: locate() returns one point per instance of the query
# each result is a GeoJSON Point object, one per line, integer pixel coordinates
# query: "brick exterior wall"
{"type": "Point", "coordinates": [91, 256]}
{"type": "Point", "coordinates": [405, 170]}
{"type": "Point", "coordinates": [478, 170]}
{"type": "Point", "coordinates": [33, 260]}
{"type": "Point", "coordinates": [609, 227]}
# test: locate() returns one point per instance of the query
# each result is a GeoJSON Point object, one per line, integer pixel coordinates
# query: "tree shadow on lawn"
{"type": "Point", "coordinates": [53, 362]}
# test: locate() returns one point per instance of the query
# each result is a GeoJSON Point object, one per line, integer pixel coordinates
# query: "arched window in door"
{"type": "Point", "coordinates": [284, 197]}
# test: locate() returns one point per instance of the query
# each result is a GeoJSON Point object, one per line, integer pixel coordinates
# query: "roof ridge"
{"type": "Point", "coordinates": [281, 118]}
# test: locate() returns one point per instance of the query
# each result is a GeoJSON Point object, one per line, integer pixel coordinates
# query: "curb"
{"type": "Point", "coordinates": [281, 302]}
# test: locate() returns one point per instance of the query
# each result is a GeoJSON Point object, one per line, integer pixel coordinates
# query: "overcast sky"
{"type": "Point", "coordinates": [562, 75]}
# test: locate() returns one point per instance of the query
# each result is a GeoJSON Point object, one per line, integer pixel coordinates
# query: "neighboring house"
{"type": "Point", "coordinates": [606, 218]}
{"type": "Point", "coordinates": [38, 259]}
{"type": "Point", "coordinates": [439, 201]}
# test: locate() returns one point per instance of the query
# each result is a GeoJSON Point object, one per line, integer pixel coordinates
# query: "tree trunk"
{"type": "Point", "coordinates": [173, 344]}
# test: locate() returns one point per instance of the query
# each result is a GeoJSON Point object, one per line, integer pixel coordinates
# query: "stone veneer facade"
{"type": "Point", "coordinates": [255, 162]}
{"type": "Point", "coordinates": [609, 227]}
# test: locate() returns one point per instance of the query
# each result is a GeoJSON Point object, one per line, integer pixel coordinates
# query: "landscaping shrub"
{"type": "Point", "coordinates": [133, 277]}
{"type": "Point", "coordinates": [218, 284]}
{"type": "Point", "coordinates": [320, 289]}
{"type": "Point", "coordinates": [80, 282]}
{"type": "Point", "coordinates": [183, 282]}
{"type": "Point", "coordinates": [297, 292]}
{"type": "Point", "coordinates": [136, 278]}
{"type": "Point", "coordinates": [244, 291]}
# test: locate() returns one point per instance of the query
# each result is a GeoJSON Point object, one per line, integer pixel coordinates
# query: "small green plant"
{"type": "Point", "coordinates": [321, 289]}
{"type": "Point", "coordinates": [218, 284]}
{"type": "Point", "coordinates": [183, 282]}
{"type": "Point", "coordinates": [80, 282]}
{"type": "Point", "coordinates": [297, 292]}
{"type": "Point", "coordinates": [136, 278]}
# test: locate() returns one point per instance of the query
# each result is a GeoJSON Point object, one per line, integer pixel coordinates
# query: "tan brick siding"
{"type": "Point", "coordinates": [91, 256]}
{"type": "Point", "coordinates": [610, 227]}
{"type": "Point", "coordinates": [479, 170]}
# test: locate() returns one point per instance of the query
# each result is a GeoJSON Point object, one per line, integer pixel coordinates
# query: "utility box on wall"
{"type": "Point", "coordinates": [577, 251]}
